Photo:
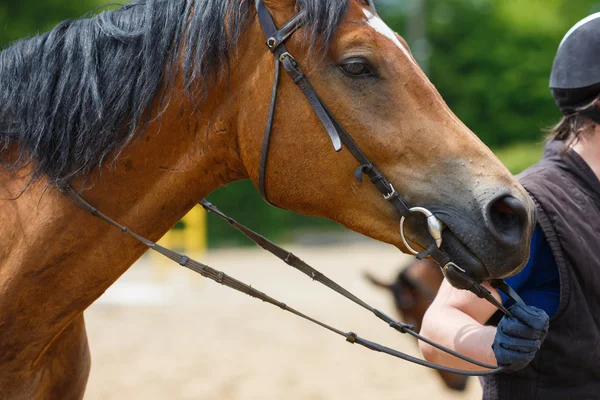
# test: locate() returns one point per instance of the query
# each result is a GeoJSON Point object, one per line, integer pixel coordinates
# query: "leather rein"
{"type": "Point", "coordinates": [339, 137]}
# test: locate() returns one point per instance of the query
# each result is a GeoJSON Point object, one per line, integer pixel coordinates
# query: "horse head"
{"type": "Point", "coordinates": [366, 75]}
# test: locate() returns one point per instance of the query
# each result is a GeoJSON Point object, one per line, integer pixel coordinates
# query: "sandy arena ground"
{"type": "Point", "coordinates": [162, 332]}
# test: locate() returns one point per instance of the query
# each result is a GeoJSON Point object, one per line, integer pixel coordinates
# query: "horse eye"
{"type": "Point", "coordinates": [356, 67]}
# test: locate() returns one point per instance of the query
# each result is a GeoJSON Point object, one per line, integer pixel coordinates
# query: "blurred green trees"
{"type": "Point", "coordinates": [23, 18]}
{"type": "Point", "coordinates": [490, 60]}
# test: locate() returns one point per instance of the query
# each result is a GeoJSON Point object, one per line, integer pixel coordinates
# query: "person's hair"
{"type": "Point", "coordinates": [572, 126]}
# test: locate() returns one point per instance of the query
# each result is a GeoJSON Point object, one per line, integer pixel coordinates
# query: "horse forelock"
{"type": "Point", "coordinates": [72, 98]}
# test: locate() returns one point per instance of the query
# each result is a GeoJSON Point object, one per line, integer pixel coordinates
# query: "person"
{"type": "Point", "coordinates": [562, 277]}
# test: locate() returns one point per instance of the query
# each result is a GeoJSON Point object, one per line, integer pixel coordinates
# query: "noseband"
{"type": "Point", "coordinates": [456, 275]}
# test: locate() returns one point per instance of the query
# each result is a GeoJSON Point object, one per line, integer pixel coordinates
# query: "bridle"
{"type": "Point", "coordinates": [276, 43]}
{"type": "Point", "coordinates": [456, 275]}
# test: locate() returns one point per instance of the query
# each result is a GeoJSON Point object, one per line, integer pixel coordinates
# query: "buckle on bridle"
{"type": "Point", "coordinates": [287, 55]}
{"type": "Point", "coordinates": [434, 226]}
{"type": "Point", "coordinates": [390, 194]}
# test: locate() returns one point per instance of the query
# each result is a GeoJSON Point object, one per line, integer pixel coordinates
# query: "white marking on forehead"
{"type": "Point", "coordinates": [381, 27]}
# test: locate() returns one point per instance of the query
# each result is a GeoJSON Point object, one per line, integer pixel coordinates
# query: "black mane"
{"type": "Point", "coordinates": [73, 97]}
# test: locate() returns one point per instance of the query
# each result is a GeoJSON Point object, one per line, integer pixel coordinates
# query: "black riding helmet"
{"type": "Point", "coordinates": [575, 77]}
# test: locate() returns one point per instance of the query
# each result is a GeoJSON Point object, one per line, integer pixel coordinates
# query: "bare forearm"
{"type": "Point", "coordinates": [460, 332]}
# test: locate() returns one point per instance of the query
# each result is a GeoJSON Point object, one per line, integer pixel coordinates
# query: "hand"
{"type": "Point", "coordinates": [518, 339]}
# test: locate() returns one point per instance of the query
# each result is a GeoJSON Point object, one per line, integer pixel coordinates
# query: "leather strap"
{"type": "Point", "coordinates": [286, 31]}
{"type": "Point", "coordinates": [264, 157]}
{"type": "Point", "coordinates": [290, 65]}
{"type": "Point", "coordinates": [289, 258]}
{"type": "Point", "coordinates": [465, 282]}
{"type": "Point", "coordinates": [276, 44]}
{"type": "Point", "coordinates": [501, 285]}
{"type": "Point", "coordinates": [462, 281]}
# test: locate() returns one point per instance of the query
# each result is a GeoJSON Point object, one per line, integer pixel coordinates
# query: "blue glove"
{"type": "Point", "coordinates": [518, 339]}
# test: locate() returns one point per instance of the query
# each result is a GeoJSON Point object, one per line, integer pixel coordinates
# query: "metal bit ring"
{"type": "Point", "coordinates": [434, 225]}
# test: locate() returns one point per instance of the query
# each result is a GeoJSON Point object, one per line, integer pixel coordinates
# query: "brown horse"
{"type": "Point", "coordinates": [149, 108]}
{"type": "Point", "coordinates": [413, 292]}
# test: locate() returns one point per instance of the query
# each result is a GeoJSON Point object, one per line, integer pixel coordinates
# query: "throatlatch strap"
{"type": "Point", "coordinates": [264, 157]}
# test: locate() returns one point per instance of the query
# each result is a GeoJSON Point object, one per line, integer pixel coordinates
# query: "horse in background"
{"type": "Point", "coordinates": [413, 291]}
{"type": "Point", "coordinates": [147, 109]}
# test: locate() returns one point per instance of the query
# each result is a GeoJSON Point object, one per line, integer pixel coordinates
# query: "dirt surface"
{"type": "Point", "coordinates": [162, 332]}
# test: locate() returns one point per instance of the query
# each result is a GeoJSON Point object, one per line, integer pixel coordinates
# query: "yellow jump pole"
{"type": "Point", "coordinates": [195, 231]}
{"type": "Point", "coordinates": [191, 240]}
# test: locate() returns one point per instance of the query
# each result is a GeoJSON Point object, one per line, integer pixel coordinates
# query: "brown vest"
{"type": "Point", "coordinates": [567, 197]}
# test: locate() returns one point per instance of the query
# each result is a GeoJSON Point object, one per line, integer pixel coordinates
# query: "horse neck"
{"type": "Point", "coordinates": [56, 259]}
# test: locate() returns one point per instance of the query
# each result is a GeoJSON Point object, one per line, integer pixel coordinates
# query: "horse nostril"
{"type": "Point", "coordinates": [507, 219]}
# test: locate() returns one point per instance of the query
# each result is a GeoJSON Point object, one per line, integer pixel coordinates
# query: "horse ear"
{"type": "Point", "coordinates": [376, 281]}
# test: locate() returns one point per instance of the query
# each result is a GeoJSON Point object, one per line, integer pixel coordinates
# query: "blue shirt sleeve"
{"type": "Point", "coordinates": [538, 283]}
